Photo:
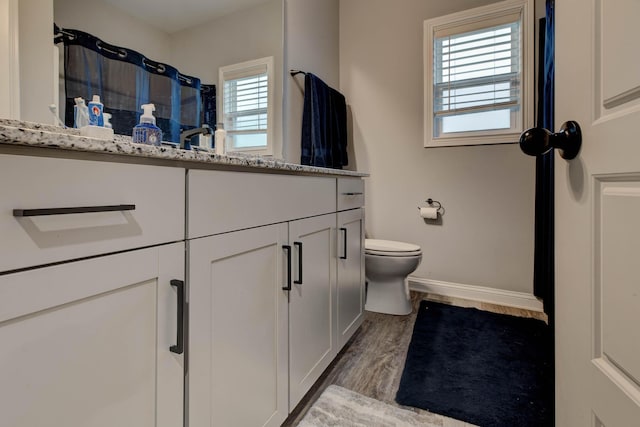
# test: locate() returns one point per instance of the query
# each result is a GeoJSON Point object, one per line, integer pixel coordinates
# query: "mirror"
{"type": "Point", "coordinates": [194, 36]}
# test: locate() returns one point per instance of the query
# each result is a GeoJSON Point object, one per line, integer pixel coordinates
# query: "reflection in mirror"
{"type": "Point", "coordinates": [123, 80]}
{"type": "Point", "coordinates": [196, 37]}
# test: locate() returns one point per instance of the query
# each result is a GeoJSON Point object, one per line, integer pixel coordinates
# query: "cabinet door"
{"type": "Point", "coordinates": [350, 305]}
{"type": "Point", "coordinates": [86, 344]}
{"type": "Point", "coordinates": [312, 336]}
{"type": "Point", "coordinates": [238, 329]}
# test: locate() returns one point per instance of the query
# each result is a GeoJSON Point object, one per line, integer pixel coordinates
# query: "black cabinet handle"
{"type": "Point", "coordinates": [287, 248]}
{"type": "Point", "coordinates": [352, 194]}
{"type": "Point", "coordinates": [299, 246]}
{"type": "Point", "coordinates": [179, 347]}
{"type": "Point", "coordinates": [344, 243]}
{"type": "Point", "coordinates": [67, 211]}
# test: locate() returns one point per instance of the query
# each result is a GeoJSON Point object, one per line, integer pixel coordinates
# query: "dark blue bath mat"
{"type": "Point", "coordinates": [487, 369]}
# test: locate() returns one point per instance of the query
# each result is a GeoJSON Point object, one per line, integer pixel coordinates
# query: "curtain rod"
{"type": "Point", "coordinates": [60, 35]}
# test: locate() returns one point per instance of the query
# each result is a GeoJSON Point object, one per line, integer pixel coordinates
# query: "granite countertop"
{"type": "Point", "coordinates": [19, 133]}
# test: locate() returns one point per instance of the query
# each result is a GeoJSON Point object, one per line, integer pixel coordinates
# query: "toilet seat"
{"type": "Point", "coordinates": [391, 248]}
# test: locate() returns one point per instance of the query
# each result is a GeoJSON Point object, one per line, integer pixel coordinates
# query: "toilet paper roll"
{"type": "Point", "coordinates": [429, 213]}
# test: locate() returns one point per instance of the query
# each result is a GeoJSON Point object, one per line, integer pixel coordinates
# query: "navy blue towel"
{"type": "Point", "coordinates": [324, 125]}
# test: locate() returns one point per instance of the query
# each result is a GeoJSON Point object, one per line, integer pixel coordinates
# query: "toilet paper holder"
{"type": "Point", "coordinates": [436, 204]}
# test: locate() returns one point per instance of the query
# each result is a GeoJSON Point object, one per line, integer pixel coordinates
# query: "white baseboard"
{"type": "Point", "coordinates": [476, 293]}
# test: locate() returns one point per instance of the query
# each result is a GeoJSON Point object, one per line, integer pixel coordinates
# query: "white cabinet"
{"type": "Point", "coordinates": [350, 281]}
{"type": "Point", "coordinates": [238, 339]}
{"type": "Point", "coordinates": [312, 308]}
{"type": "Point", "coordinates": [262, 300]}
{"type": "Point", "coordinates": [97, 321]}
{"type": "Point", "coordinates": [350, 277]}
{"type": "Point", "coordinates": [256, 346]}
{"type": "Point", "coordinates": [87, 343]}
{"type": "Point", "coordinates": [88, 321]}
{"type": "Point", "coordinates": [269, 306]}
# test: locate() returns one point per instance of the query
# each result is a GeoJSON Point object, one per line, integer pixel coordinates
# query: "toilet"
{"type": "Point", "coordinates": [387, 265]}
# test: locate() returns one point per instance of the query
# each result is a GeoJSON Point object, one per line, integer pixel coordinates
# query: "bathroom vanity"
{"type": "Point", "coordinates": [145, 285]}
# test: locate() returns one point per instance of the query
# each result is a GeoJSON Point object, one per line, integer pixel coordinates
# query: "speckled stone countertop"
{"type": "Point", "coordinates": [19, 133]}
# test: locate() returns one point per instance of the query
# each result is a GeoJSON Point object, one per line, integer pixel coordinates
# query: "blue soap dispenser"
{"type": "Point", "coordinates": [147, 132]}
{"type": "Point", "coordinates": [95, 112]}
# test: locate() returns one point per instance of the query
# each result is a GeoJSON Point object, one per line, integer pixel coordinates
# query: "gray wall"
{"type": "Point", "coordinates": [113, 26]}
{"type": "Point", "coordinates": [486, 235]}
{"type": "Point", "coordinates": [248, 34]}
{"type": "Point", "coordinates": [36, 53]}
{"type": "Point", "coordinates": [10, 60]}
{"type": "Point", "coordinates": [311, 44]}
{"type": "Point", "coordinates": [241, 36]}
{"type": "Point", "coordinates": [199, 51]}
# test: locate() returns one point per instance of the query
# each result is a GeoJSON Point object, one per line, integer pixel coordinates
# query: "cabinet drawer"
{"type": "Point", "coordinates": [350, 193]}
{"type": "Point", "coordinates": [222, 201]}
{"type": "Point", "coordinates": [155, 196]}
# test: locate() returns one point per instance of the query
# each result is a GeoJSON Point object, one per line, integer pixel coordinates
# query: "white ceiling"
{"type": "Point", "coordinates": [175, 15]}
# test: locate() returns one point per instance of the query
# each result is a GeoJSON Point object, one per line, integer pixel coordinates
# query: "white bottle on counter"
{"type": "Point", "coordinates": [107, 120]}
{"type": "Point", "coordinates": [219, 136]}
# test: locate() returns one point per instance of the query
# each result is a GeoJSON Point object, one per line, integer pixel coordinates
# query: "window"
{"type": "Point", "coordinates": [247, 106]}
{"type": "Point", "coordinates": [479, 75]}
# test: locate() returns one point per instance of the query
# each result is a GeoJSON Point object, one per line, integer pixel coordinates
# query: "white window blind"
{"type": "Point", "coordinates": [246, 105]}
{"type": "Point", "coordinates": [479, 74]}
{"type": "Point", "coordinates": [478, 70]}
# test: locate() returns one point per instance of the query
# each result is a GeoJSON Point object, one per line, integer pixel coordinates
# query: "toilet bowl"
{"type": "Point", "coordinates": [387, 265]}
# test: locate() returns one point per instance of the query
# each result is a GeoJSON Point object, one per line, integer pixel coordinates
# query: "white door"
{"type": "Point", "coordinates": [312, 337]}
{"type": "Point", "coordinates": [87, 344]}
{"type": "Point", "coordinates": [238, 329]}
{"type": "Point", "coordinates": [598, 215]}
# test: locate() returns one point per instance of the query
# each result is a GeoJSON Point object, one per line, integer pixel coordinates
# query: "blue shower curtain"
{"type": "Point", "coordinates": [126, 79]}
{"type": "Point", "coordinates": [544, 268]}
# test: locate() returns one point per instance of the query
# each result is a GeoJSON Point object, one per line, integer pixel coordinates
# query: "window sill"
{"type": "Point", "coordinates": [507, 138]}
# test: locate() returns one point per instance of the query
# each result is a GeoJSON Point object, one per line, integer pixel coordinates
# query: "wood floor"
{"type": "Point", "coordinates": [372, 362]}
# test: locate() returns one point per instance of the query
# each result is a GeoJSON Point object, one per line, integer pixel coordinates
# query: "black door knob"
{"type": "Point", "coordinates": [538, 141]}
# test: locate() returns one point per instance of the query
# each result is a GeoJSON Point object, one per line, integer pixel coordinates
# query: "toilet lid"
{"type": "Point", "coordinates": [389, 247]}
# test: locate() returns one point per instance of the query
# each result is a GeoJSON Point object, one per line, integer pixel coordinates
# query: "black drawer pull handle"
{"type": "Point", "coordinates": [179, 347]}
{"type": "Point", "coordinates": [67, 211]}
{"type": "Point", "coordinates": [344, 243]}
{"type": "Point", "coordinates": [288, 249]}
{"type": "Point", "coordinates": [352, 194]}
{"type": "Point", "coordinates": [299, 246]}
